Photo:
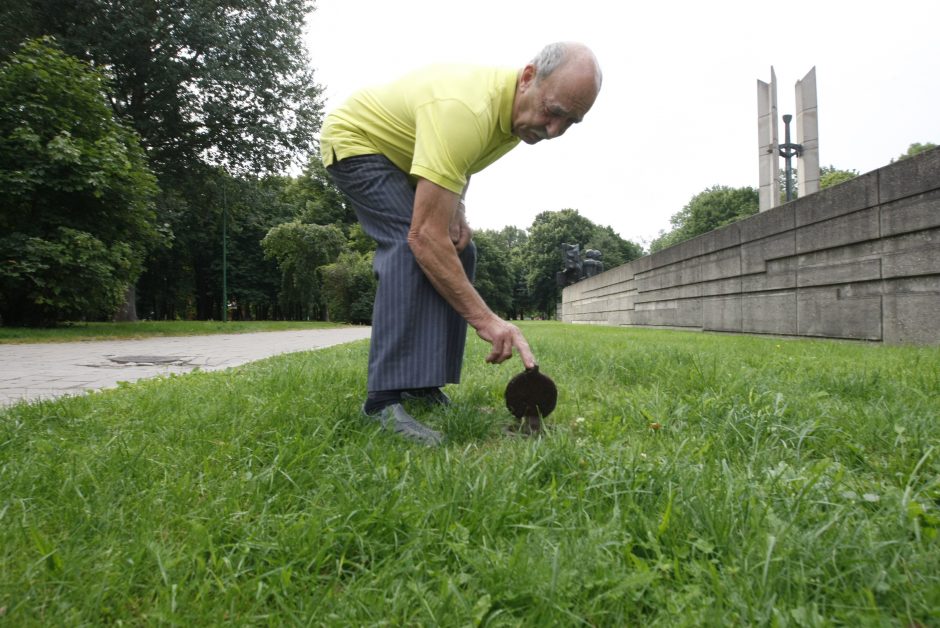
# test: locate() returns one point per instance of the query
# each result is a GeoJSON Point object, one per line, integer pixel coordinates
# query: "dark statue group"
{"type": "Point", "coordinates": [576, 268]}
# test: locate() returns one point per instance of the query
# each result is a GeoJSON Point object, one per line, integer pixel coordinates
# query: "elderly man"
{"type": "Point", "coordinates": [403, 154]}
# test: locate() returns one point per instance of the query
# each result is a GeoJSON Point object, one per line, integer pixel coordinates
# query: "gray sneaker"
{"type": "Point", "coordinates": [395, 419]}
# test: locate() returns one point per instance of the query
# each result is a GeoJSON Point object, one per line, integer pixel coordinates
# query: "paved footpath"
{"type": "Point", "coordinates": [30, 372]}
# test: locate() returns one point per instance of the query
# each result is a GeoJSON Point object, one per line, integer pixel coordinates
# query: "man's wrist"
{"type": "Point", "coordinates": [482, 318]}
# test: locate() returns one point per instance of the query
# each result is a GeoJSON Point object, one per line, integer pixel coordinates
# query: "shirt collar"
{"type": "Point", "coordinates": [507, 98]}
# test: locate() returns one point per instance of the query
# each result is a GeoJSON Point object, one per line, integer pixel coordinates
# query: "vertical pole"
{"type": "Point", "coordinates": [224, 256]}
{"type": "Point", "coordinates": [788, 155]}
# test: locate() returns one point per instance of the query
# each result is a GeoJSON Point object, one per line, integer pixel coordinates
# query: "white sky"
{"type": "Point", "coordinates": [678, 109]}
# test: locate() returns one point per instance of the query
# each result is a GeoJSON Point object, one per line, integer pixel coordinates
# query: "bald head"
{"type": "Point", "coordinates": [561, 53]}
{"type": "Point", "coordinates": [555, 90]}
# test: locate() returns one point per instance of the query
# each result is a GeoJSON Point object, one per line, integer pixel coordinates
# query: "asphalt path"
{"type": "Point", "coordinates": [31, 372]}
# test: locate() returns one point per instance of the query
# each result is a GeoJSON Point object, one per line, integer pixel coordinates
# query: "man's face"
{"type": "Point", "coordinates": [544, 110]}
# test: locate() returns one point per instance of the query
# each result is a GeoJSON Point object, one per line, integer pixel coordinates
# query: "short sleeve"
{"type": "Point", "coordinates": [449, 140]}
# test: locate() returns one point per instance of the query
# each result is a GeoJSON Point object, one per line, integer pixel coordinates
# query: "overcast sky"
{"type": "Point", "coordinates": [678, 109]}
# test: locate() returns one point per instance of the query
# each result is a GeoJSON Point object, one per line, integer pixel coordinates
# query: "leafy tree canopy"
{"type": "Point", "coordinates": [830, 176]}
{"type": "Point", "coordinates": [320, 202]}
{"type": "Point", "coordinates": [349, 287]}
{"type": "Point", "coordinates": [502, 280]}
{"type": "Point", "coordinates": [710, 209]}
{"type": "Point", "coordinates": [76, 196]}
{"type": "Point", "coordinates": [300, 249]}
{"type": "Point", "coordinates": [494, 273]}
{"type": "Point", "coordinates": [513, 238]}
{"type": "Point", "coordinates": [916, 149]}
{"type": "Point", "coordinates": [201, 80]}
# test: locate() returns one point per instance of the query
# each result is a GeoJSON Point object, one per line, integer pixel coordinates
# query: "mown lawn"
{"type": "Point", "coordinates": [146, 329]}
{"type": "Point", "coordinates": [688, 479]}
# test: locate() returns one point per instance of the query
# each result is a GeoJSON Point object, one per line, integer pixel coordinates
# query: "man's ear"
{"type": "Point", "coordinates": [527, 78]}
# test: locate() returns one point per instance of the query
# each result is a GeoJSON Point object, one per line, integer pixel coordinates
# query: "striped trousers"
{"type": "Point", "coordinates": [417, 337]}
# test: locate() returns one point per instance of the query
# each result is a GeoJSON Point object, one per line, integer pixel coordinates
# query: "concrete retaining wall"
{"type": "Point", "coordinates": [860, 260]}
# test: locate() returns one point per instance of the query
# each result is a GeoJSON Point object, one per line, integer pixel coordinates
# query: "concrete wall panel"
{"type": "Point", "coordinates": [755, 254]}
{"type": "Point", "coordinates": [909, 318]}
{"type": "Point", "coordinates": [842, 254]}
{"type": "Point", "coordinates": [782, 280]}
{"type": "Point", "coordinates": [768, 223]}
{"type": "Point", "coordinates": [911, 214]}
{"type": "Point", "coordinates": [721, 287]}
{"type": "Point", "coordinates": [826, 313]}
{"type": "Point", "coordinates": [721, 313]}
{"type": "Point", "coordinates": [681, 291]}
{"type": "Point", "coordinates": [655, 318]}
{"type": "Point", "coordinates": [679, 252]}
{"type": "Point", "coordinates": [724, 238]}
{"type": "Point", "coordinates": [689, 313]}
{"type": "Point", "coordinates": [925, 260]}
{"type": "Point", "coordinates": [908, 177]}
{"type": "Point", "coordinates": [852, 196]}
{"type": "Point", "coordinates": [855, 227]}
{"type": "Point", "coordinates": [719, 265]}
{"type": "Point", "coordinates": [836, 274]}
{"type": "Point", "coordinates": [773, 313]}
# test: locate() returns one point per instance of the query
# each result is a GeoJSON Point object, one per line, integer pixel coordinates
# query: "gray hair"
{"type": "Point", "coordinates": [555, 55]}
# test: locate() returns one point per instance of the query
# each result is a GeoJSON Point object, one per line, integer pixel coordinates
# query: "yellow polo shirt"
{"type": "Point", "coordinates": [442, 123]}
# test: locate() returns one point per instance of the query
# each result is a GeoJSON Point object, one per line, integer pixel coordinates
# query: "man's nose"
{"type": "Point", "coordinates": [555, 128]}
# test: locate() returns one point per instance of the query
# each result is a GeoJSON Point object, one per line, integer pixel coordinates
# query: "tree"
{"type": "Point", "coordinates": [184, 278]}
{"type": "Point", "coordinates": [500, 274]}
{"type": "Point", "coordinates": [494, 276]}
{"type": "Point", "coordinates": [349, 287]}
{"type": "Point", "coordinates": [359, 240]}
{"type": "Point", "coordinates": [916, 149]}
{"type": "Point", "coordinates": [514, 237]}
{"type": "Point", "coordinates": [513, 240]}
{"type": "Point", "coordinates": [253, 206]}
{"type": "Point", "coordinates": [300, 249]}
{"type": "Point", "coordinates": [206, 84]}
{"type": "Point", "coordinates": [319, 200]}
{"type": "Point", "coordinates": [76, 196]}
{"type": "Point", "coordinates": [202, 81]}
{"type": "Point", "coordinates": [708, 210]}
{"type": "Point", "coordinates": [615, 250]}
{"type": "Point", "coordinates": [830, 176]}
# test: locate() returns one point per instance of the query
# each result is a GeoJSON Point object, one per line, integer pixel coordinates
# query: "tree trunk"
{"type": "Point", "coordinates": [127, 313]}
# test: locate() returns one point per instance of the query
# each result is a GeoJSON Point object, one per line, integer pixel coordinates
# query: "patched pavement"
{"type": "Point", "coordinates": [30, 372]}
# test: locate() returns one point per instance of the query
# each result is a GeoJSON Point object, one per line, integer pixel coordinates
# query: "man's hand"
{"type": "Point", "coordinates": [504, 336]}
{"type": "Point", "coordinates": [460, 232]}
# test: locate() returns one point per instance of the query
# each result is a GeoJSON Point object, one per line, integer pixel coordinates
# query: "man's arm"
{"type": "Point", "coordinates": [436, 253]}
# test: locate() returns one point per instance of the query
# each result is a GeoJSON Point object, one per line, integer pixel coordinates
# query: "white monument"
{"type": "Point", "coordinates": [767, 141]}
{"type": "Point", "coordinates": [806, 148]}
{"type": "Point", "coordinates": [807, 134]}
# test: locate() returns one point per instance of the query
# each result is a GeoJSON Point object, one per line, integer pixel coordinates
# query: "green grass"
{"type": "Point", "coordinates": [790, 483]}
{"type": "Point", "coordinates": [146, 329]}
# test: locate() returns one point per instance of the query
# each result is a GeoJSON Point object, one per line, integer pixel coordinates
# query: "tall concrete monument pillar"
{"type": "Point", "coordinates": [767, 141]}
{"type": "Point", "coordinates": [806, 148]}
{"type": "Point", "coordinates": [807, 134]}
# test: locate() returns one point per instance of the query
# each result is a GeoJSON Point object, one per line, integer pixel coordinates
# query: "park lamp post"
{"type": "Point", "coordinates": [789, 150]}
{"type": "Point", "coordinates": [224, 256]}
